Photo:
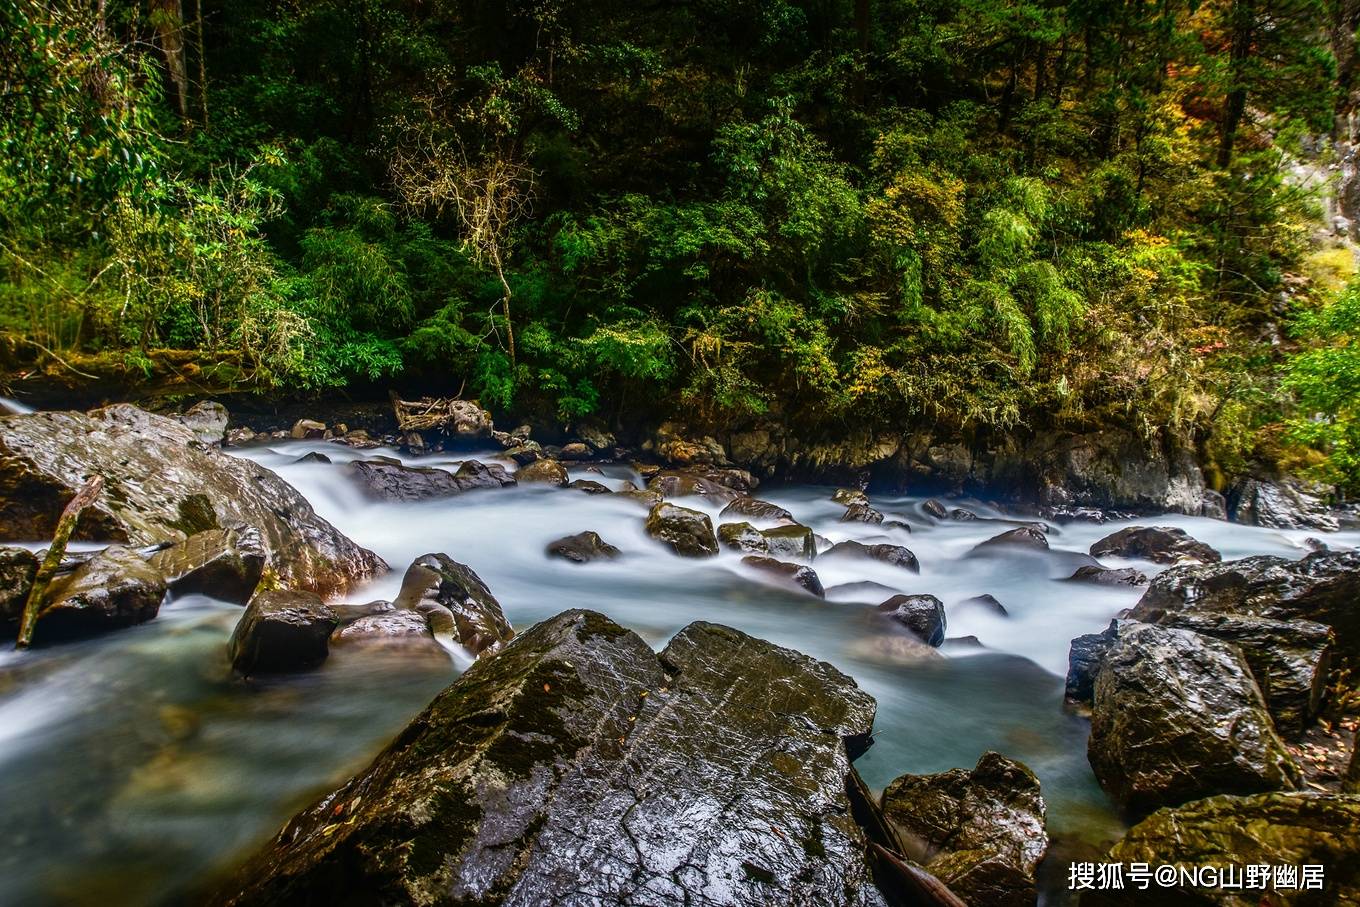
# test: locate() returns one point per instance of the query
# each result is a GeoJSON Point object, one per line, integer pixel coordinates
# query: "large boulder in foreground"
{"type": "Point", "coordinates": [1291, 830]}
{"type": "Point", "coordinates": [579, 767]}
{"type": "Point", "coordinates": [1160, 544]}
{"type": "Point", "coordinates": [113, 589]}
{"type": "Point", "coordinates": [689, 533]}
{"type": "Point", "coordinates": [456, 602]}
{"type": "Point", "coordinates": [282, 631]}
{"type": "Point", "coordinates": [981, 832]}
{"type": "Point", "coordinates": [1177, 716]}
{"type": "Point", "coordinates": [161, 485]}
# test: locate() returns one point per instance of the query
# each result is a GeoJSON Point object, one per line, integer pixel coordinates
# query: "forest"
{"type": "Point", "coordinates": [978, 214]}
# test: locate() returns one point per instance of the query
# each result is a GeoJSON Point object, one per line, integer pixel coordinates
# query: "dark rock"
{"type": "Point", "coordinates": [797, 574]}
{"type": "Point", "coordinates": [861, 513]}
{"type": "Point", "coordinates": [688, 533]}
{"type": "Point", "coordinates": [849, 496]}
{"type": "Point", "coordinates": [756, 509]}
{"type": "Point", "coordinates": [987, 602]}
{"type": "Point", "coordinates": [1213, 505]}
{"type": "Point", "coordinates": [1227, 831]}
{"type": "Point", "coordinates": [1322, 587]}
{"type": "Point", "coordinates": [391, 629]}
{"type": "Point", "coordinates": [582, 548]}
{"type": "Point", "coordinates": [1281, 505]}
{"type": "Point", "coordinates": [862, 591]}
{"type": "Point", "coordinates": [1160, 544]}
{"type": "Point", "coordinates": [208, 422]}
{"type": "Point", "coordinates": [923, 615]}
{"type": "Point", "coordinates": [685, 485]}
{"type": "Point", "coordinates": [282, 631]}
{"type": "Point", "coordinates": [1024, 537]}
{"type": "Point", "coordinates": [526, 453]}
{"type": "Point", "coordinates": [647, 499]}
{"type": "Point", "coordinates": [455, 600]}
{"type": "Point", "coordinates": [896, 524]}
{"type": "Point", "coordinates": [223, 563]}
{"type": "Point", "coordinates": [45, 457]}
{"type": "Point", "coordinates": [1106, 576]}
{"type": "Point", "coordinates": [313, 457]}
{"type": "Point", "coordinates": [546, 471]}
{"type": "Point", "coordinates": [1290, 659]}
{"type": "Point", "coordinates": [17, 566]}
{"type": "Point", "coordinates": [1084, 658]}
{"type": "Point", "coordinates": [115, 588]}
{"type": "Point", "coordinates": [959, 515]}
{"type": "Point", "coordinates": [474, 474]}
{"type": "Point", "coordinates": [980, 832]}
{"type": "Point", "coordinates": [936, 509]}
{"type": "Point", "coordinates": [390, 480]}
{"type": "Point", "coordinates": [895, 555]}
{"type": "Point", "coordinates": [579, 767]}
{"type": "Point", "coordinates": [307, 428]}
{"type": "Point", "coordinates": [1177, 716]}
{"type": "Point", "coordinates": [781, 541]}
{"type": "Point", "coordinates": [588, 486]}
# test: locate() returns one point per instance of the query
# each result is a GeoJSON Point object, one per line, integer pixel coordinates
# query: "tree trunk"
{"type": "Point", "coordinates": [202, 63]}
{"type": "Point", "coordinates": [167, 17]}
{"type": "Point", "coordinates": [862, 24]}
{"type": "Point", "coordinates": [1243, 24]}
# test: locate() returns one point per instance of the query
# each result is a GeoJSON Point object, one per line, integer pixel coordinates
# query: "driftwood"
{"type": "Point", "coordinates": [427, 413]}
{"type": "Point", "coordinates": [920, 885]}
{"type": "Point", "coordinates": [65, 526]}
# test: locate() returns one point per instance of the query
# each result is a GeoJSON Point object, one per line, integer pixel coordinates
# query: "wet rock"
{"type": "Point", "coordinates": [1234, 831]}
{"type": "Point", "coordinates": [959, 515]}
{"type": "Point", "coordinates": [1106, 576]}
{"type": "Point", "coordinates": [923, 615]}
{"type": "Point", "coordinates": [208, 422]}
{"type": "Point", "coordinates": [391, 629]}
{"type": "Point", "coordinates": [936, 509]}
{"type": "Point", "coordinates": [115, 588]}
{"type": "Point", "coordinates": [647, 499]}
{"type": "Point", "coordinates": [896, 555]}
{"type": "Point", "coordinates": [862, 591]}
{"type": "Point", "coordinates": [223, 563]}
{"type": "Point", "coordinates": [849, 496]}
{"type": "Point", "coordinates": [238, 436]}
{"type": "Point", "coordinates": [756, 509]}
{"type": "Point", "coordinates": [582, 548]}
{"type": "Point", "coordinates": [896, 524]}
{"type": "Point", "coordinates": [545, 471]}
{"type": "Point", "coordinates": [45, 457]}
{"type": "Point", "coordinates": [1322, 587]}
{"type": "Point", "coordinates": [465, 424]}
{"type": "Point", "coordinates": [313, 457]}
{"type": "Point", "coordinates": [980, 832]}
{"type": "Point", "coordinates": [861, 513]}
{"type": "Point", "coordinates": [598, 439]}
{"type": "Point", "coordinates": [390, 480]}
{"type": "Point", "coordinates": [473, 474]}
{"type": "Point", "coordinates": [673, 443]}
{"type": "Point", "coordinates": [799, 575]}
{"type": "Point", "coordinates": [781, 541]}
{"type": "Point", "coordinates": [455, 600]}
{"type": "Point", "coordinates": [282, 631]}
{"type": "Point", "coordinates": [1281, 505]}
{"type": "Point", "coordinates": [894, 649]}
{"type": "Point", "coordinates": [688, 533]}
{"type": "Point", "coordinates": [986, 602]}
{"type": "Point", "coordinates": [577, 766]}
{"type": "Point", "coordinates": [588, 486]}
{"type": "Point", "coordinates": [1177, 716]}
{"type": "Point", "coordinates": [1290, 660]}
{"type": "Point", "coordinates": [576, 450]}
{"type": "Point", "coordinates": [307, 428]}
{"type": "Point", "coordinates": [684, 485]}
{"type": "Point", "coordinates": [17, 566]}
{"type": "Point", "coordinates": [1084, 657]}
{"type": "Point", "coordinates": [1023, 537]}
{"type": "Point", "coordinates": [1160, 544]}
{"type": "Point", "coordinates": [524, 454]}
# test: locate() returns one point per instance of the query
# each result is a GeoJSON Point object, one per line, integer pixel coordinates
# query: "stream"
{"type": "Point", "coordinates": [134, 769]}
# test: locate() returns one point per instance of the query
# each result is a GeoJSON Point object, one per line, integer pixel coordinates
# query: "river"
{"type": "Point", "coordinates": [134, 768]}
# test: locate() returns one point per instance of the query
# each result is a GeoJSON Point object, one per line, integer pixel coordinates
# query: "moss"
{"type": "Point", "coordinates": [538, 735]}
{"type": "Point", "coordinates": [196, 514]}
{"type": "Point", "coordinates": [757, 873]}
{"type": "Point", "coordinates": [812, 842]}
{"type": "Point", "coordinates": [597, 625]}
{"type": "Point", "coordinates": [454, 818]}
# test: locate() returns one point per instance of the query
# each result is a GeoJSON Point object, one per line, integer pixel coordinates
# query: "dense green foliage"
{"type": "Point", "coordinates": [978, 213]}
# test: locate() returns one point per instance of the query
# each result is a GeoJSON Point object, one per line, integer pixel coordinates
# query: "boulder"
{"type": "Point", "coordinates": [647, 499]}
{"type": "Point", "coordinates": [1160, 544]}
{"type": "Point", "coordinates": [1084, 658]}
{"type": "Point", "coordinates": [526, 453]}
{"type": "Point", "coordinates": [1022, 537]}
{"type": "Point", "coordinates": [115, 588]}
{"type": "Point", "coordinates": [923, 615]}
{"type": "Point", "coordinates": [1106, 576]}
{"type": "Point", "coordinates": [1271, 829]}
{"type": "Point", "coordinates": [799, 575]}
{"type": "Point", "coordinates": [1290, 660]}
{"type": "Point", "coordinates": [1281, 505]}
{"type": "Point", "coordinates": [577, 450]}
{"type": "Point", "coordinates": [46, 457]}
{"type": "Point", "coordinates": [896, 555]}
{"type": "Point", "coordinates": [598, 439]}
{"type": "Point", "coordinates": [588, 486]}
{"type": "Point", "coordinates": [455, 601]}
{"type": "Point", "coordinates": [687, 484]}
{"type": "Point", "coordinates": [17, 566]}
{"type": "Point", "coordinates": [313, 457]}
{"type": "Point", "coordinates": [688, 533]}
{"type": "Point", "coordinates": [756, 509]}
{"type": "Point", "coordinates": [935, 508]}
{"type": "Point", "coordinates": [981, 832]}
{"type": "Point", "coordinates": [307, 428]}
{"type": "Point", "coordinates": [208, 422]}
{"type": "Point", "coordinates": [1322, 587]}
{"type": "Point", "coordinates": [474, 474]}
{"type": "Point", "coordinates": [282, 631]}
{"type": "Point", "coordinates": [578, 767]}
{"type": "Point", "coordinates": [390, 629]}
{"type": "Point", "coordinates": [582, 548]}
{"type": "Point", "coordinates": [673, 443]}
{"type": "Point", "coordinates": [986, 602]}
{"type": "Point", "coordinates": [849, 496]}
{"type": "Point", "coordinates": [861, 513]}
{"type": "Point", "coordinates": [544, 471]}
{"type": "Point", "coordinates": [1177, 716]}
{"type": "Point", "coordinates": [391, 480]}
{"type": "Point", "coordinates": [781, 541]}
{"type": "Point", "coordinates": [224, 563]}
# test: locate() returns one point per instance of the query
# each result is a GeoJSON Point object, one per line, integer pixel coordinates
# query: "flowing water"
{"type": "Point", "coordinates": [134, 768]}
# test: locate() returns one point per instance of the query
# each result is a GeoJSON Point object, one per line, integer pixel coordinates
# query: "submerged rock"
{"type": "Point", "coordinates": [45, 457]}
{"type": "Point", "coordinates": [589, 486]}
{"type": "Point", "coordinates": [582, 548]}
{"type": "Point", "coordinates": [861, 513]}
{"type": "Point", "coordinates": [1160, 544]}
{"type": "Point", "coordinates": [935, 508]}
{"type": "Point", "coordinates": [688, 533]}
{"type": "Point", "coordinates": [222, 563]}
{"type": "Point", "coordinates": [1177, 716]}
{"type": "Point", "coordinates": [113, 589]}
{"type": "Point", "coordinates": [1275, 829]}
{"type": "Point", "coordinates": [1023, 537]}
{"type": "Point", "coordinates": [455, 600]}
{"type": "Point", "coordinates": [17, 566]}
{"type": "Point", "coordinates": [923, 615]}
{"type": "Point", "coordinates": [986, 602]}
{"type": "Point", "coordinates": [981, 832]}
{"type": "Point", "coordinates": [896, 555]}
{"type": "Point", "coordinates": [799, 575]}
{"type": "Point", "coordinates": [756, 509]}
{"type": "Point", "coordinates": [577, 766]}
{"type": "Point", "coordinates": [1106, 576]}
{"type": "Point", "coordinates": [282, 631]}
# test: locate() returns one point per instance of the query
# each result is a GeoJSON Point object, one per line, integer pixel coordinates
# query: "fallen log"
{"type": "Point", "coordinates": [48, 568]}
